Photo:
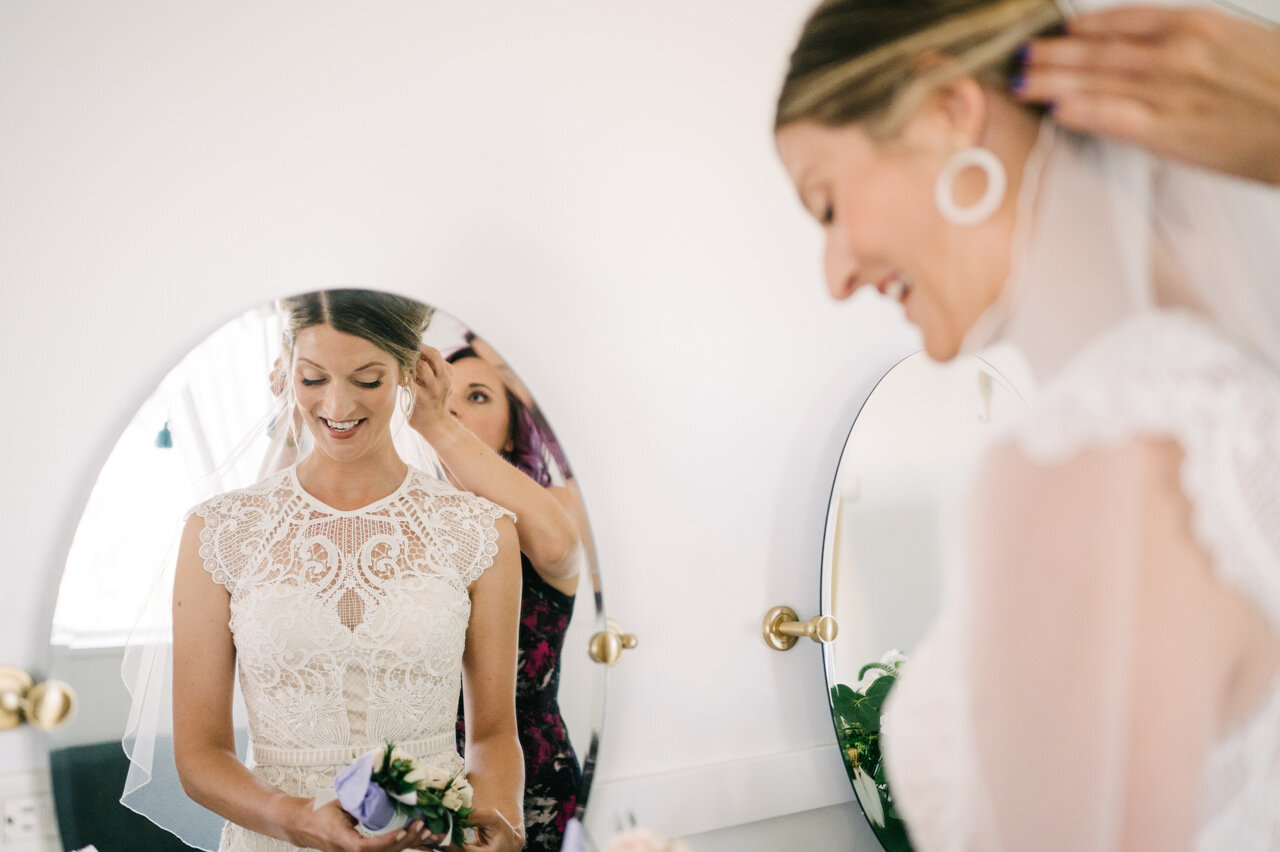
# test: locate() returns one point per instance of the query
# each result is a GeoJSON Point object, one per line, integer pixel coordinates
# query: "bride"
{"type": "Point", "coordinates": [351, 592]}
{"type": "Point", "coordinates": [1104, 670]}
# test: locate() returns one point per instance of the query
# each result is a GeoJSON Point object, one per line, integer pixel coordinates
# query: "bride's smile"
{"type": "Point", "coordinates": [346, 390]}
{"type": "Point", "coordinates": [874, 199]}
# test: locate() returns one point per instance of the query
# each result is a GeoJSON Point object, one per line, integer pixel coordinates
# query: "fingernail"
{"type": "Point", "coordinates": [402, 835]}
{"type": "Point", "coordinates": [1017, 81]}
{"type": "Point", "coordinates": [1020, 54]}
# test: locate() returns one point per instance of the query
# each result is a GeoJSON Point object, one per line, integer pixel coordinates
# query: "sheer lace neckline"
{"type": "Point", "coordinates": [325, 507]}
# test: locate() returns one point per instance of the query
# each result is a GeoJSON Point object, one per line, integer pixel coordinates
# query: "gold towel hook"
{"type": "Point", "coordinates": [606, 647]}
{"type": "Point", "coordinates": [782, 628]}
{"type": "Point", "coordinates": [45, 705]}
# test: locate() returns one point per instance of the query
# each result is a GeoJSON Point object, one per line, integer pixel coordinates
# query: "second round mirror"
{"type": "Point", "coordinates": [900, 476]}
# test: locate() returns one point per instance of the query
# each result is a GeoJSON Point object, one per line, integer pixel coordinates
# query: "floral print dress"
{"type": "Point", "coordinates": [552, 773]}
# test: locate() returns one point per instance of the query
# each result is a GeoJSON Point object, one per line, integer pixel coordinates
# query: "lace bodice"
{"type": "Point", "coordinates": [1159, 375]}
{"type": "Point", "coordinates": [349, 626]}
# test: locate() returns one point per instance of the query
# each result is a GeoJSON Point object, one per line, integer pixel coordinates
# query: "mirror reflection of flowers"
{"type": "Point", "coordinates": [857, 710]}
{"type": "Point", "coordinates": [386, 789]}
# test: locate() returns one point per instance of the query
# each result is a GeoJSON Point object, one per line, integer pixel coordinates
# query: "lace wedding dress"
{"type": "Point", "coordinates": [349, 626]}
{"type": "Point", "coordinates": [1034, 713]}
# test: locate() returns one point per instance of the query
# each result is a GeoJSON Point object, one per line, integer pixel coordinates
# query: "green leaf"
{"type": "Point", "coordinates": [868, 717]}
{"type": "Point", "coordinates": [881, 687]}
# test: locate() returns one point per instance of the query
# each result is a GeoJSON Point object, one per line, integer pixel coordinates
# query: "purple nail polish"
{"type": "Point", "coordinates": [1017, 81]}
{"type": "Point", "coordinates": [1021, 53]}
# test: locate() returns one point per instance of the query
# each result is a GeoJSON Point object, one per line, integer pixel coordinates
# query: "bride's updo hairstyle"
{"type": "Point", "coordinates": [873, 62]}
{"type": "Point", "coordinates": [394, 324]}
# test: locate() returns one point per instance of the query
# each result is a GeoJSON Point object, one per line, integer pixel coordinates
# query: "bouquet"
{"type": "Point", "coordinates": [857, 710]}
{"type": "Point", "coordinates": [386, 789]}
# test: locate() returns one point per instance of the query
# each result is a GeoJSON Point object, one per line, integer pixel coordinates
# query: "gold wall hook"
{"type": "Point", "coordinates": [606, 647]}
{"type": "Point", "coordinates": [782, 628]}
{"type": "Point", "coordinates": [45, 705]}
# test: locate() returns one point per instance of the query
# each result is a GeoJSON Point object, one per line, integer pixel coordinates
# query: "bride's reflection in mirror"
{"type": "Point", "coordinates": [514, 465]}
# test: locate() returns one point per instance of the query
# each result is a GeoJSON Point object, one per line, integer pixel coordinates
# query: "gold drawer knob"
{"type": "Point", "coordinates": [782, 628]}
{"type": "Point", "coordinates": [606, 647]}
{"type": "Point", "coordinates": [45, 705]}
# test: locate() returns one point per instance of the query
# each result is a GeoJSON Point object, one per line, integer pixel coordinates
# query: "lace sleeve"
{"type": "Point", "coordinates": [462, 525]}
{"type": "Point", "coordinates": [1169, 375]}
{"type": "Point", "coordinates": [1122, 533]}
{"type": "Point", "coordinates": [479, 545]}
{"type": "Point", "coordinates": [212, 514]}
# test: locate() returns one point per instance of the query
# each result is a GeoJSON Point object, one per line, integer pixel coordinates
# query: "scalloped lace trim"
{"type": "Point", "coordinates": [1167, 374]}
{"type": "Point", "coordinates": [1170, 375]}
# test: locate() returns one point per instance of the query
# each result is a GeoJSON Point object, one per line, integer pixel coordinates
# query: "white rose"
{"type": "Point", "coordinates": [465, 791]}
{"type": "Point", "coordinates": [379, 754]}
{"type": "Point", "coordinates": [409, 797]}
{"type": "Point", "coordinates": [869, 678]}
{"type": "Point", "coordinates": [894, 658]}
{"type": "Point", "coordinates": [398, 753]}
{"type": "Point", "coordinates": [428, 777]}
{"type": "Point", "coordinates": [452, 799]}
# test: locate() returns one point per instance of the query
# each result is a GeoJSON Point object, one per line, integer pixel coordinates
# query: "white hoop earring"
{"type": "Point", "coordinates": [982, 210]}
{"type": "Point", "coordinates": [407, 399]}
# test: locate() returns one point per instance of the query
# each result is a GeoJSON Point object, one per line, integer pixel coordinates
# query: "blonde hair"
{"type": "Point", "coordinates": [875, 61]}
{"type": "Point", "coordinates": [392, 323]}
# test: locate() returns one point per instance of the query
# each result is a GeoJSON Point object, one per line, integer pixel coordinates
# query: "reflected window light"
{"type": "Point", "coordinates": [208, 404]}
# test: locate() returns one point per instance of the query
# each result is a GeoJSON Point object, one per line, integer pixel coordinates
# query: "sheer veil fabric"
{"type": "Point", "coordinates": [1123, 538]}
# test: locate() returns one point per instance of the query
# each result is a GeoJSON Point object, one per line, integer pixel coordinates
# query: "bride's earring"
{"type": "Point", "coordinates": [944, 190]}
{"type": "Point", "coordinates": [406, 400]}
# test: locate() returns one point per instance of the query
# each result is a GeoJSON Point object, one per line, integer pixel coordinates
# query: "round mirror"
{"type": "Point", "coordinates": [208, 429]}
{"type": "Point", "coordinates": [901, 471]}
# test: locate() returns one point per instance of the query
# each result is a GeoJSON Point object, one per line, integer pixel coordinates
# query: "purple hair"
{"type": "Point", "coordinates": [528, 451]}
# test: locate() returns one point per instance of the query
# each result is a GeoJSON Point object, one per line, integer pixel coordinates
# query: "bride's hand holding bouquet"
{"type": "Point", "coordinates": [387, 790]}
{"type": "Point", "coordinates": [329, 828]}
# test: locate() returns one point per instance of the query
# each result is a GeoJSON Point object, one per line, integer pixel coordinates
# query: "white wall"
{"type": "Point", "coordinates": [590, 186]}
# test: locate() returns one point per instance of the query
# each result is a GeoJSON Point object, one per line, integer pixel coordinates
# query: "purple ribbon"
{"type": "Point", "coordinates": [363, 799]}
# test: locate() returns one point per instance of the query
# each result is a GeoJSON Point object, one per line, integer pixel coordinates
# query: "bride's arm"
{"type": "Point", "coordinates": [203, 734]}
{"type": "Point", "coordinates": [1100, 652]}
{"type": "Point", "coordinates": [495, 763]}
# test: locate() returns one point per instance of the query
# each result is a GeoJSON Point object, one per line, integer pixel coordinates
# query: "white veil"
{"type": "Point", "coordinates": [1109, 234]}
{"type": "Point", "coordinates": [1156, 234]}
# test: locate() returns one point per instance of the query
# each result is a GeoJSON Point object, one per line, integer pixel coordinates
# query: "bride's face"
{"type": "Point", "coordinates": [346, 390]}
{"type": "Point", "coordinates": [875, 204]}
